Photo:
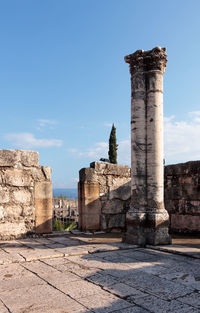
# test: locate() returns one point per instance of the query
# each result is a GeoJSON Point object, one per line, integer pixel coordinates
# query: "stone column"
{"type": "Point", "coordinates": [147, 219]}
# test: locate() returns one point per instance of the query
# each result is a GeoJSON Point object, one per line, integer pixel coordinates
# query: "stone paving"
{"type": "Point", "coordinates": [73, 274]}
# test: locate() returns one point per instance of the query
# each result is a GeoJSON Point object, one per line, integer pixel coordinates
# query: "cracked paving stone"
{"type": "Point", "coordinates": [79, 289]}
{"type": "Point", "coordinates": [73, 250]}
{"type": "Point", "coordinates": [102, 248]}
{"type": "Point", "coordinates": [157, 305]}
{"type": "Point", "coordinates": [43, 241]}
{"type": "Point", "coordinates": [102, 279]}
{"type": "Point", "coordinates": [192, 299]}
{"type": "Point", "coordinates": [40, 268]}
{"type": "Point", "coordinates": [42, 252]}
{"type": "Point", "coordinates": [3, 308]}
{"type": "Point", "coordinates": [65, 241]}
{"type": "Point", "coordinates": [139, 255]}
{"type": "Point", "coordinates": [123, 290]}
{"type": "Point", "coordinates": [157, 286]}
{"type": "Point", "coordinates": [104, 302]}
{"type": "Point", "coordinates": [63, 265]}
{"type": "Point", "coordinates": [8, 258]}
{"type": "Point", "coordinates": [50, 274]}
{"type": "Point", "coordinates": [15, 276]}
{"type": "Point", "coordinates": [40, 299]}
{"type": "Point", "coordinates": [61, 281]}
{"type": "Point", "coordinates": [134, 309]}
{"type": "Point", "coordinates": [183, 278]}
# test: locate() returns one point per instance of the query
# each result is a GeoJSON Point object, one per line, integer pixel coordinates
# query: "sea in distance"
{"type": "Point", "coordinates": [69, 193]}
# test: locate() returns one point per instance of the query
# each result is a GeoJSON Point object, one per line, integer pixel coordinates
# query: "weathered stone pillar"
{"type": "Point", "coordinates": [147, 219]}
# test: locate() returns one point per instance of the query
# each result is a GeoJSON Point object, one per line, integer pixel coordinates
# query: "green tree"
{"type": "Point", "coordinates": [112, 153]}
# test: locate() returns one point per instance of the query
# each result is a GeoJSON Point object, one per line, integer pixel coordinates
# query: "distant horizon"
{"type": "Point", "coordinates": [70, 193]}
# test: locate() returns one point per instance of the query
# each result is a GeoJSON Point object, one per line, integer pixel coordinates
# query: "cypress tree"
{"type": "Point", "coordinates": [112, 153]}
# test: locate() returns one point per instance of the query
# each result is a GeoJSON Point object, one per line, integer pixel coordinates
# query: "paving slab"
{"type": "Point", "coordinates": [3, 309]}
{"type": "Point", "coordinates": [184, 278]}
{"type": "Point", "coordinates": [79, 289]}
{"type": "Point", "coordinates": [102, 279]}
{"type": "Point", "coordinates": [134, 309]}
{"type": "Point", "coordinates": [192, 299]}
{"type": "Point", "coordinates": [123, 290]}
{"type": "Point", "coordinates": [40, 299]}
{"type": "Point", "coordinates": [41, 252]}
{"type": "Point", "coordinates": [154, 304]}
{"type": "Point", "coordinates": [63, 265]}
{"type": "Point", "coordinates": [179, 249]}
{"type": "Point", "coordinates": [89, 275]}
{"type": "Point", "coordinates": [15, 276]}
{"type": "Point", "coordinates": [104, 303]}
{"type": "Point", "coordinates": [166, 290]}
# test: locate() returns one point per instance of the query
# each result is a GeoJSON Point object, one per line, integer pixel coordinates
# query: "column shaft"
{"type": "Point", "coordinates": [147, 219]}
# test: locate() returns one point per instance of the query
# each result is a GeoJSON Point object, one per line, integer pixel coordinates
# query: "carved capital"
{"type": "Point", "coordinates": [144, 61]}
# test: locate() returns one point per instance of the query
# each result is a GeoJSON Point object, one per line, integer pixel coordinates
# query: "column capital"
{"type": "Point", "coordinates": [144, 61]}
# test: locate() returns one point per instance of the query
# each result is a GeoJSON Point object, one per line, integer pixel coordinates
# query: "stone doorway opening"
{"type": "Point", "coordinates": [65, 214]}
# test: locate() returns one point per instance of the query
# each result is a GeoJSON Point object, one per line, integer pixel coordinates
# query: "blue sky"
{"type": "Point", "coordinates": [63, 79]}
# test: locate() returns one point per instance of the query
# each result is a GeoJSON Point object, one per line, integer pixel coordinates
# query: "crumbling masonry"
{"type": "Point", "coordinates": [25, 194]}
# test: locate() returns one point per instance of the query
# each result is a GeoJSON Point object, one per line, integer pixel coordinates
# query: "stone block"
{"type": "Point", "coordinates": [28, 211]}
{"type": "Point", "coordinates": [111, 169]}
{"type": "Point", "coordinates": [90, 221]}
{"type": "Point", "coordinates": [185, 223]}
{"type": "Point", "coordinates": [43, 207]}
{"type": "Point", "coordinates": [22, 196]}
{"type": "Point", "coordinates": [90, 205]}
{"type": "Point", "coordinates": [104, 222]}
{"type": "Point", "coordinates": [11, 230]}
{"type": "Point", "coordinates": [87, 174]}
{"type": "Point", "coordinates": [4, 195]}
{"type": "Point", "coordinates": [113, 207]}
{"type": "Point", "coordinates": [2, 212]}
{"type": "Point", "coordinates": [43, 224]}
{"type": "Point", "coordinates": [47, 172]}
{"type": "Point", "coordinates": [12, 212]}
{"type": "Point", "coordinates": [117, 221]}
{"type": "Point", "coordinates": [38, 174]}
{"type": "Point", "coordinates": [29, 158]}
{"type": "Point", "coordinates": [123, 192]}
{"type": "Point", "coordinates": [18, 177]}
{"type": "Point", "coordinates": [9, 157]}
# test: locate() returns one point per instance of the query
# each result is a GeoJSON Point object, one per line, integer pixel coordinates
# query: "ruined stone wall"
{"type": "Point", "coordinates": [104, 196]}
{"type": "Point", "coordinates": [182, 196]}
{"type": "Point", "coordinates": [25, 194]}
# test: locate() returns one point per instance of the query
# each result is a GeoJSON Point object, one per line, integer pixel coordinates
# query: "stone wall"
{"type": "Point", "coordinates": [104, 196]}
{"type": "Point", "coordinates": [182, 196]}
{"type": "Point", "coordinates": [25, 194]}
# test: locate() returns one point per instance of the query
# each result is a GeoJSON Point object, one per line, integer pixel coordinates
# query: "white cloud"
{"type": "Point", "coordinates": [195, 115]}
{"type": "Point", "coordinates": [182, 138]}
{"type": "Point", "coordinates": [181, 142]}
{"type": "Point", "coordinates": [45, 122]}
{"type": "Point", "coordinates": [100, 150]}
{"type": "Point", "coordinates": [108, 124]}
{"type": "Point", "coordinates": [28, 140]}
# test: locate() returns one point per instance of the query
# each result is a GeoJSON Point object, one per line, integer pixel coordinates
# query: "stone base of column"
{"type": "Point", "coordinates": [147, 228]}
